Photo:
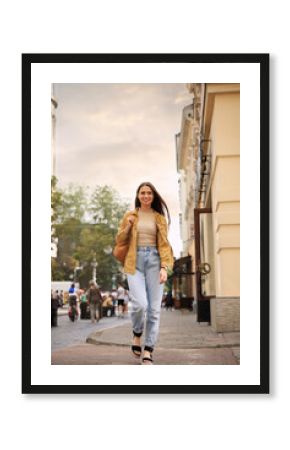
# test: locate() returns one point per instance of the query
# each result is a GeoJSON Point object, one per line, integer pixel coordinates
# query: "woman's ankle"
{"type": "Point", "coordinates": [148, 348]}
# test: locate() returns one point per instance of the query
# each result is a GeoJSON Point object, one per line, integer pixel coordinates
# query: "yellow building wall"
{"type": "Point", "coordinates": [207, 254]}
{"type": "Point", "coordinates": [225, 192]}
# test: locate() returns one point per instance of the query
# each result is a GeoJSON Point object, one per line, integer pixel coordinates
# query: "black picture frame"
{"type": "Point", "coordinates": [27, 61]}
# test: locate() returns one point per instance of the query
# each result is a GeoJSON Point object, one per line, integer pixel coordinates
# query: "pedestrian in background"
{"type": "Point", "coordinates": [107, 305]}
{"type": "Point", "coordinates": [73, 301]}
{"type": "Point", "coordinates": [148, 257]}
{"type": "Point", "coordinates": [94, 298]}
{"type": "Point", "coordinates": [54, 308]}
{"type": "Point", "coordinates": [61, 299]}
{"type": "Point", "coordinates": [169, 301]}
{"type": "Point", "coordinates": [126, 303]}
{"type": "Point", "coordinates": [120, 297]}
{"type": "Point", "coordinates": [83, 304]}
{"type": "Point", "coordinates": [115, 301]}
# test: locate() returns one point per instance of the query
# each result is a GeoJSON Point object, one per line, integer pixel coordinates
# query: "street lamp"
{"type": "Point", "coordinates": [94, 265]}
{"type": "Point", "coordinates": [114, 281]}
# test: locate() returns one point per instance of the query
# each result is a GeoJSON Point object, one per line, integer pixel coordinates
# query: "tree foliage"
{"type": "Point", "coordinates": [106, 206]}
{"type": "Point", "coordinates": [85, 227]}
{"type": "Point", "coordinates": [74, 203]}
{"type": "Point", "coordinates": [56, 202]}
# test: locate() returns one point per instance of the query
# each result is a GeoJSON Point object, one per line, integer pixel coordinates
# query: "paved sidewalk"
{"type": "Point", "coordinates": [181, 341]}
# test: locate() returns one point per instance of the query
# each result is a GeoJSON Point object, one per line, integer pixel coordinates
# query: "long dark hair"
{"type": "Point", "coordinates": [158, 203]}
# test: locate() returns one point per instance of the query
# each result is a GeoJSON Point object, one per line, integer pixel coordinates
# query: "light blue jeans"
{"type": "Point", "coordinates": [145, 293]}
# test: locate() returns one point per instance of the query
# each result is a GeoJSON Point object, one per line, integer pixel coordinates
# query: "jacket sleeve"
{"type": "Point", "coordinates": [122, 235]}
{"type": "Point", "coordinates": [164, 247]}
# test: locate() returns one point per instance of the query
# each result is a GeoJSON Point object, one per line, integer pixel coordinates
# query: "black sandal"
{"type": "Point", "coordinates": [136, 349]}
{"type": "Point", "coordinates": [148, 360]}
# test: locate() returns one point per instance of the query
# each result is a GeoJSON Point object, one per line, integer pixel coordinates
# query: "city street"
{"type": "Point", "coordinates": [69, 333]}
{"type": "Point", "coordinates": [202, 245]}
{"type": "Point", "coordinates": [182, 341]}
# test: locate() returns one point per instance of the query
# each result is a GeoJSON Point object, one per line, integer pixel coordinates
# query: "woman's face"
{"type": "Point", "coordinates": [145, 196]}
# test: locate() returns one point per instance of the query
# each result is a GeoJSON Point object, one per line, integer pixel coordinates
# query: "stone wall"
{"type": "Point", "coordinates": [225, 314]}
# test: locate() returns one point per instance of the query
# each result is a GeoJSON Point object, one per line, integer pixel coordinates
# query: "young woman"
{"type": "Point", "coordinates": [148, 258]}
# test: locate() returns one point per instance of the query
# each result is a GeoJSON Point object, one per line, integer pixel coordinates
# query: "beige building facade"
{"type": "Point", "coordinates": [208, 161]}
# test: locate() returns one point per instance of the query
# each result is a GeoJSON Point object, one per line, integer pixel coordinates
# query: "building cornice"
{"type": "Point", "coordinates": [211, 91]}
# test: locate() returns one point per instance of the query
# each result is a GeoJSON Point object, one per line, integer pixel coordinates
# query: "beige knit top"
{"type": "Point", "coordinates": [146, 229]}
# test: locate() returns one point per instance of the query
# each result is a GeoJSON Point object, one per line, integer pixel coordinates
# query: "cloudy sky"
{"type": "Point", "coordinates": [121, 135]}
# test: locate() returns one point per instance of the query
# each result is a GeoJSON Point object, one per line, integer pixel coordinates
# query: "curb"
{"type": "Point", "coordinates": [92, 339]}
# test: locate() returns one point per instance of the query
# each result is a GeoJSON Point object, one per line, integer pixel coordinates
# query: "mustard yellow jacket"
{"type": "Point", "coordinates": [163, 246]}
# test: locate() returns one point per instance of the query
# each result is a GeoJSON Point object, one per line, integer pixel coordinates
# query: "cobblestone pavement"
{"type": "Point", "coordinates": [69, 333]}
{"type": "Point", "coordinates": [182, 341]}
{"type": "Point", "coordinates": [178, 329]}
{"type": "Point", "coordinates": [89, 354]}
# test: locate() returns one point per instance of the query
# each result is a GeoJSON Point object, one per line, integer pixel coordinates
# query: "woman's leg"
{"type": "Point", "coordinates": [154, 295]}
{"type": "Point", "coordinates": [139, 300]}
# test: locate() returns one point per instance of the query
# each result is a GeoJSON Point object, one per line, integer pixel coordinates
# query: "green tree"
{"type": "Point", "coordinates": [56, 202]}
{"type": "Point", "coordinates": [86, 230]}
{"type": "Point", "coordinates": [68, 235]}
{"type": "Point", "coordinates": [69, 208]}
{"type": "Point", "coordinates": [74, 204]}
{"type": "Point", "coordinates": [97, 239]}
{"type": "Point", "coordinates": [107, 206]}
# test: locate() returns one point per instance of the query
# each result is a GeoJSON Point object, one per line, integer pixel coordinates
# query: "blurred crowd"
{"type": "Point", "coordinates": [91, 303]}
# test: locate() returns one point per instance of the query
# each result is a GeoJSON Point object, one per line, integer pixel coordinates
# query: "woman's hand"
{"type": "Point", "coordinates": [163, 275]}
{"type": "Point", "coordinates": [130, 220]}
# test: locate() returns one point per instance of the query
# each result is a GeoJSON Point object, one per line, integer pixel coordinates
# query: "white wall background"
{"type": "Point", "coordinates": [200, 421]}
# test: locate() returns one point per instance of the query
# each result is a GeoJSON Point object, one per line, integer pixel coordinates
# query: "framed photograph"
{"type": "Point", "coordinates": [166, 155]}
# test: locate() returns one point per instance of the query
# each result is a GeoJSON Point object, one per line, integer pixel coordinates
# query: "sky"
{"type": "Point", "coordinates": [121, 135]}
